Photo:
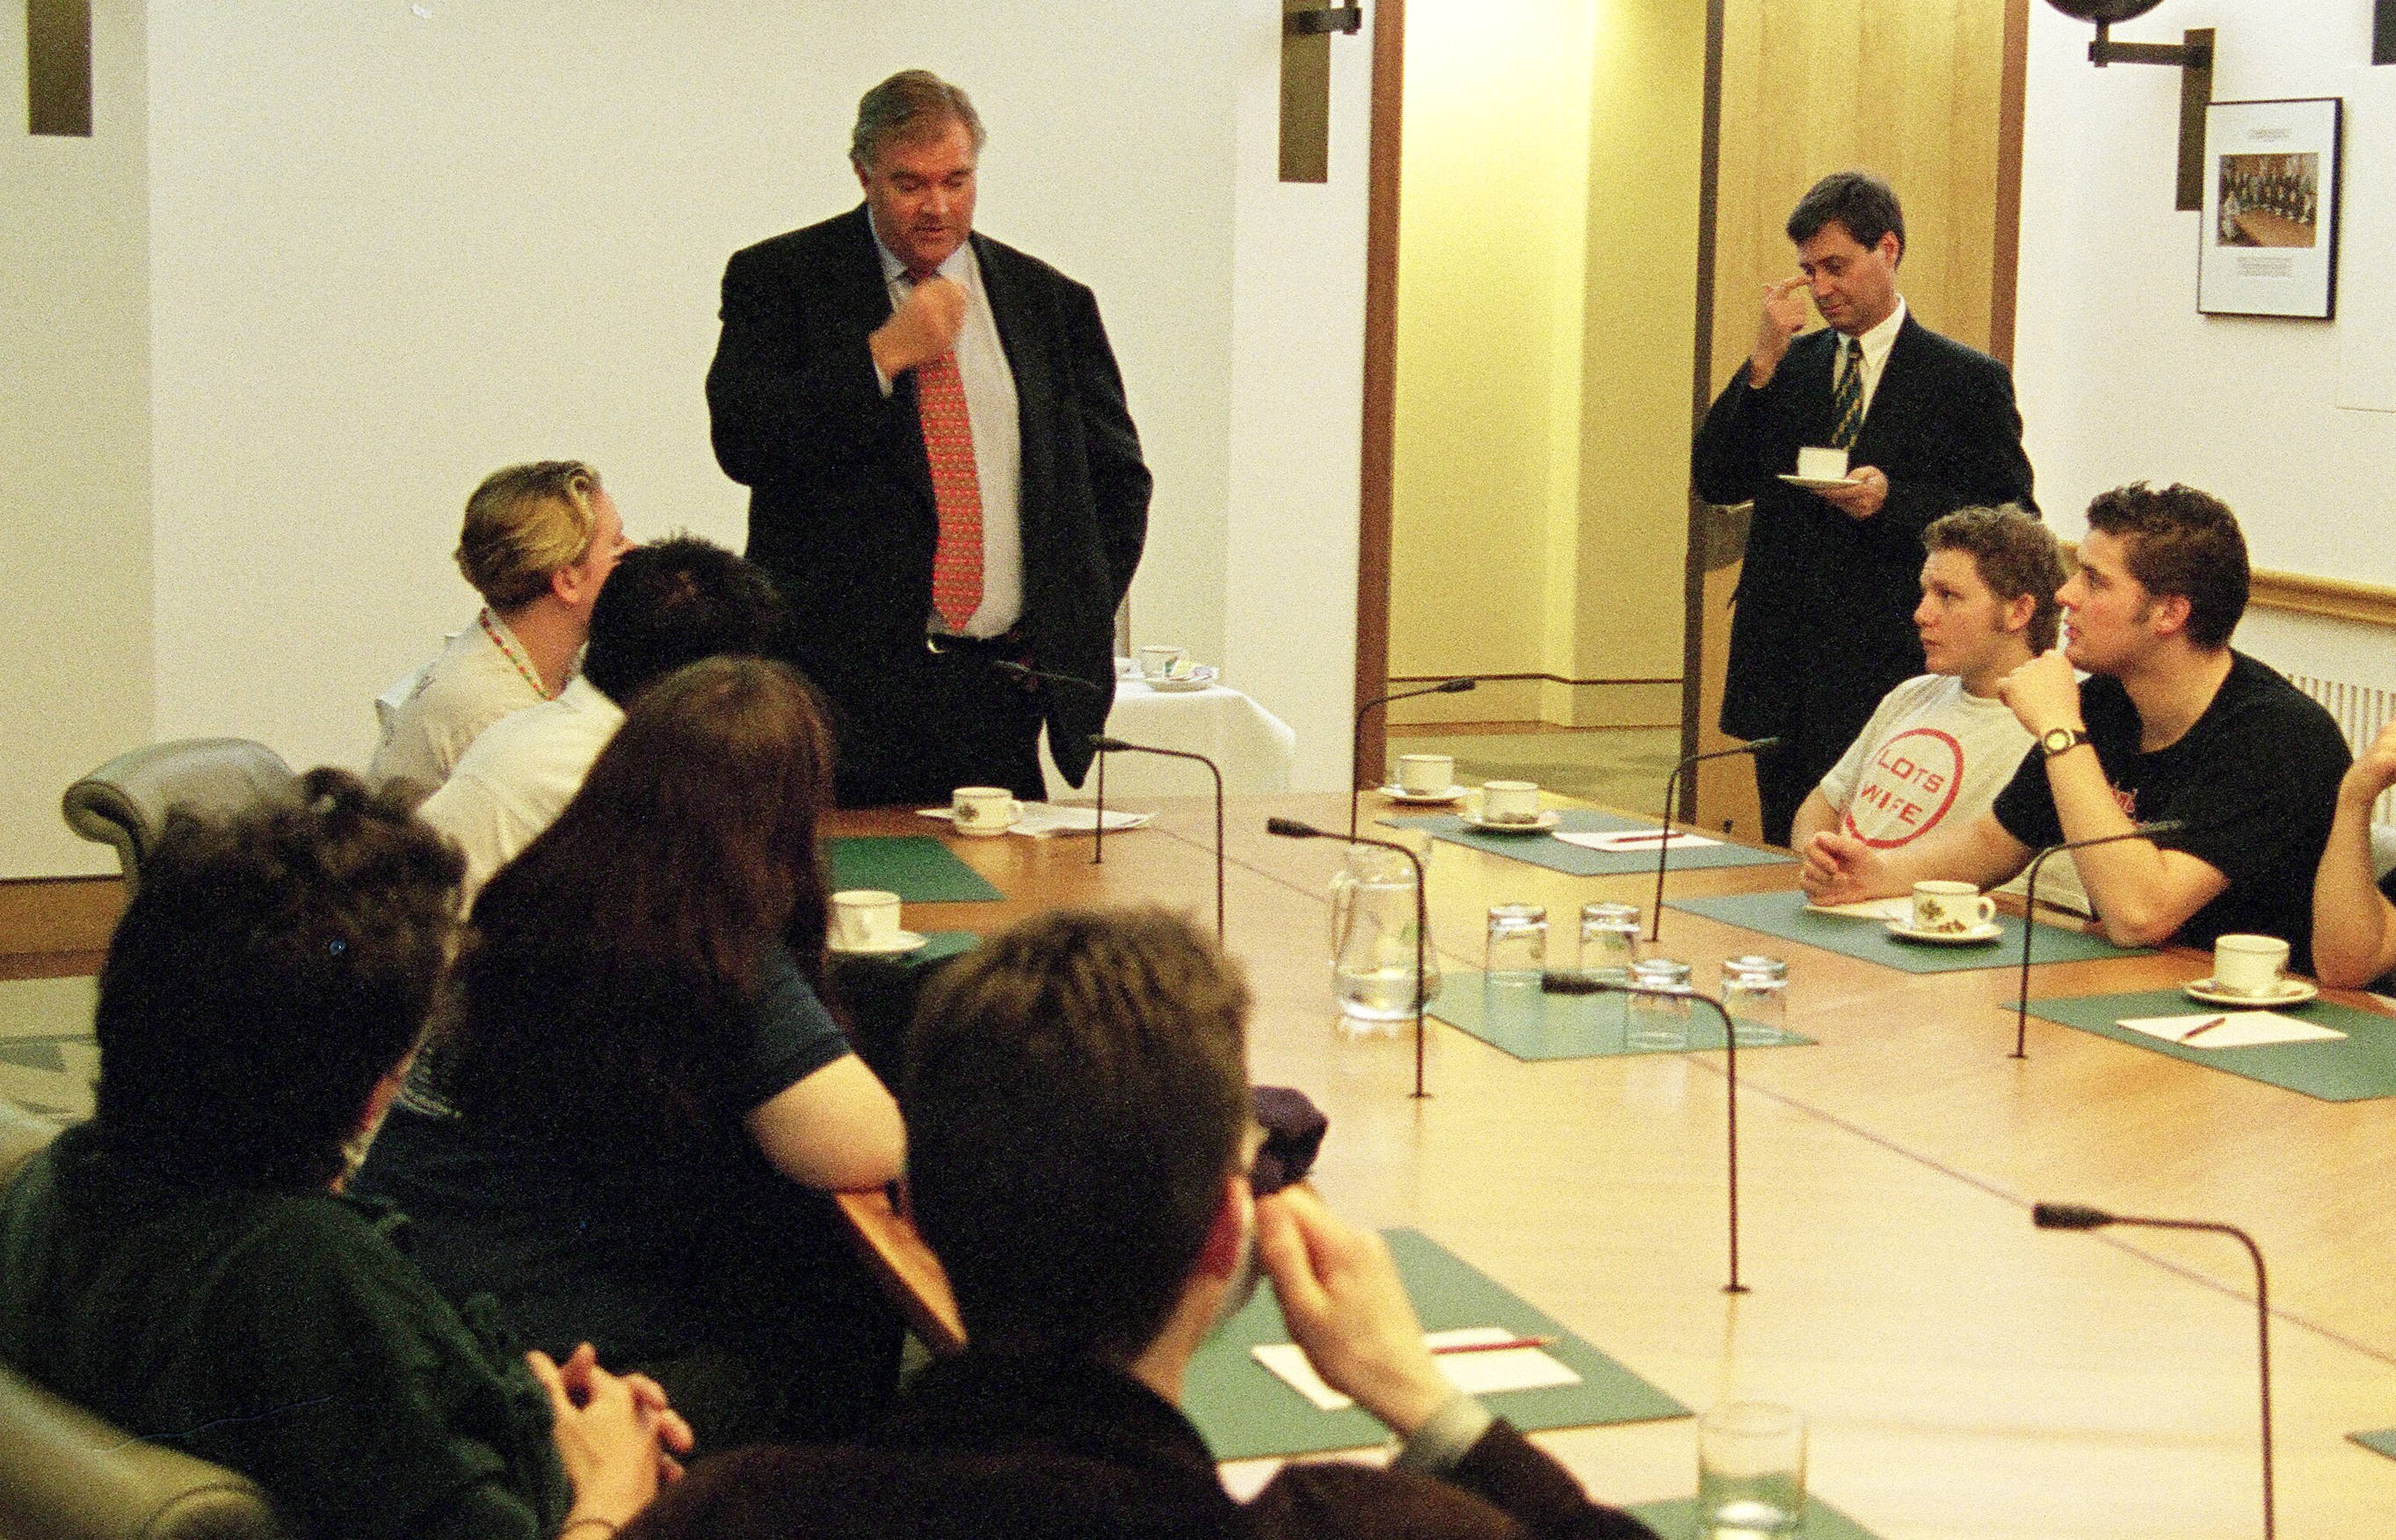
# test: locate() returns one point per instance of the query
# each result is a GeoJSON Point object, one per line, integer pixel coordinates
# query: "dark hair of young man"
{"type": "Point", "coordinates": [1076, 1092]}
{"type": "Point", "coordinates": [2180, 543]}
{"type": "Point", "coordinates": [673, 603]}
{"type": "Point", "coordinates": [270, 968]}
{"type": "Point", "coordinates": [2014, 553]}
{"type": "Point", "coordinates": [1862, 202]}
{"type": "Point", "coordinates": [604, 977]}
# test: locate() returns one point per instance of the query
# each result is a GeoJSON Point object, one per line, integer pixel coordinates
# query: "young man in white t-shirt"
{"type": "Point", "coordinates": [1941, 746]}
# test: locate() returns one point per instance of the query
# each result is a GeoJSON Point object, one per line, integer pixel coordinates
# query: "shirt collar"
{"type": "Point", "coordinates": [1877, 341]}
{"type": "Point", "coordinates": [583, 696]}
{"type": "Point", "coordinates": [959, 268]}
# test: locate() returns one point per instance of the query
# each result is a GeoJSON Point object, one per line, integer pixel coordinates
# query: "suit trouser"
{"type": "Point", "coordinates": [921, 723]}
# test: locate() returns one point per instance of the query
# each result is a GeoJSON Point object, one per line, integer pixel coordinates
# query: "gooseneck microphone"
{"type": "Point", "coordinates": [2029, 914]}
{"type": "Point", "coordinates": [2079, 1216]}
{"type": "Point", "coordinates": [1030, 675]}
{"type": "Point", "coordinates": [1583, 984]}
{"type": "Point", "coordinates": [1356, 736]}
{"type": "Point", "coordinates": [1290, 829]}
{"type": "Point", "coordinates": [1672, 785]}
{"type": "Point", "coordinates": [1106, 745]}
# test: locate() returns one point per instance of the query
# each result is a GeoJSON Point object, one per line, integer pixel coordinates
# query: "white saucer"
{"type": "Point", "coordinates": [1818, 483]}
{"type": "Point", "coordinates": [1200, 676]}
{"type": "Point", "coordinates": [1399, 793]}
{"type": "Point", "coordinates": [2292, 991]}
{"type": "Point", "coordinates": [898, 945]}
{"type": "Point", "coordinates": [1547, 820]}
{"type": "Point", "coordinates": [1903, 930]}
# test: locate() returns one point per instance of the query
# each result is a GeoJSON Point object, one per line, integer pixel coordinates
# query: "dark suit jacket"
{"type": "Point", "coordinates": [841, 511]}
{"type": "Point", "coordinates": [1824, 625]}
{"type": "Point", "coordinates": [992, 1447]}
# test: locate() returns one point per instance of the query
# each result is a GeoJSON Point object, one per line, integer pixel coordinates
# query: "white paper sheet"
{"type": "Point", "coordinates": [1041, 820]}
{"type": "Point", "coordinates": [1484, 1373]}
{"type": "Point", "coordinates": [1871, 909]}
{"type": "Point", "coordinates": [2238, 1028]}
{"type": "Point", "coordinates": [1621, 839]}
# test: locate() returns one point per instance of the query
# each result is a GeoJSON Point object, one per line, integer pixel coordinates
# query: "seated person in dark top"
{"type": "Point", "coordinates": [185, 1266]}
{"type": "Point", "coordinates": [2354, 923]}
{"type": "Point", "coordinates": [629, 1127]}
{"type": "Point", "coordinates": [2173, 725]}
{"type": "Point", "coordinates": [1078, 1105]}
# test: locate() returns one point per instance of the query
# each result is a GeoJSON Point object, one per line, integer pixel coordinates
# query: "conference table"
{"type": "Point", "coordinates": [1963, 1373]}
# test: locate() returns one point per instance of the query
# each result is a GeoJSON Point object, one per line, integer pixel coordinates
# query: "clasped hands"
{"type": "Point", "coordinates": [616, 1435]}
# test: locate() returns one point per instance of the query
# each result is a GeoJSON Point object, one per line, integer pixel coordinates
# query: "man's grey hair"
{"type": "Point", "coordinates": [909, 105]}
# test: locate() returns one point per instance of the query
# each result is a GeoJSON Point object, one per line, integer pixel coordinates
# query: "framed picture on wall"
{"type": "Point", "coordinates": [2268, 242]}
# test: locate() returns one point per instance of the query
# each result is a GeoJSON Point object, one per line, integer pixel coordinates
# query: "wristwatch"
{"type": "Point", "coordinates": [2060, 741]}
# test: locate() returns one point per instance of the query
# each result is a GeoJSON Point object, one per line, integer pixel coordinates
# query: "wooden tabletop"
{"type": "Point", "coordinates": [1964, 1373]}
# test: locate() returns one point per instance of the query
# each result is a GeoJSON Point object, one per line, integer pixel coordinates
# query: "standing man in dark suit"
{"type": "Point", "coordinates": [943, 472]}
{"type": "Point", "coordinates": [1824, 623]}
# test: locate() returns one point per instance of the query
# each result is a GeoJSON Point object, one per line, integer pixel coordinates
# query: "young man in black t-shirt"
{"type": "Point", "coordinates": [2173, 725]}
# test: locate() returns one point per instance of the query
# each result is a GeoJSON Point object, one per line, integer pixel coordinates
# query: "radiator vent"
{"type": "Point", "coordinates": [2361, 712]}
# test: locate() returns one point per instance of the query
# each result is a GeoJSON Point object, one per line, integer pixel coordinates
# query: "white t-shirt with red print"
{"type": "Point", "coordinates": [1930, 753]}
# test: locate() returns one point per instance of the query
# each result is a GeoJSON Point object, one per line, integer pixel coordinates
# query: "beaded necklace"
{"type": "Point", "coordinates": [504, 643]}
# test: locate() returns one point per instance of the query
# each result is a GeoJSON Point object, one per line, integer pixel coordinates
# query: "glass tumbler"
{"type": "Point", "coordinates": [1751, 1472]}
{"type": "Point", "coordinates": [1609, 941]}
{"type": "Point", "coordinates": [1659, 1012]}
{"type": "Point", "coordinates": [1755, 997]}
{"type": "Point", "coordinates": [1518, 943]}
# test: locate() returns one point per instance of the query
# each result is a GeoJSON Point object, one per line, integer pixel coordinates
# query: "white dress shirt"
{"type": "Point", "coordinates": [1875, 344]}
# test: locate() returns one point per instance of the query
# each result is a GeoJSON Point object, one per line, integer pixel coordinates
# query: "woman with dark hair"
{"type": "Point", "coordinates": [631, 1126]}
{"type": "Point", "coordinates": [185, 1264]}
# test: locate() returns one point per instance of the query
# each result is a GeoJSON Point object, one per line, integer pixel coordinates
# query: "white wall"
{"type": "Point", "coordinates": [75, 471]}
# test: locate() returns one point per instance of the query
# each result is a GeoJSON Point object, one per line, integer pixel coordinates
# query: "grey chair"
{"type": "Point", "coordinates": [67, 1475]}
{"type": "Point", "coordinates": [124, 803]}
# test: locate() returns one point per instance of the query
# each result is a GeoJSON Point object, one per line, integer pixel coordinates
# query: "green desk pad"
{"type": "Point", "coordinates": [919, 869]}
{"type": "Point", "coordinates": [2361, 1067]}
{"type": "Point", "coordinates": [1245, 1410]}
{"type": "Point", "coordinates": [2381, 1442]}
{"type": "Point", "coordinates": [1678, 1520]}
{"type": "Point", "coordinates": [1541, 851]}
{"type": "Point", "coordinates": [1522, 1020]}
{"type": "Point", "coordinates": [1785, 915]}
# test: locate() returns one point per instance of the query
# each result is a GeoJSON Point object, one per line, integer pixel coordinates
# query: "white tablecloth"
{"type": "Point", "coordinates": [1255, 748]}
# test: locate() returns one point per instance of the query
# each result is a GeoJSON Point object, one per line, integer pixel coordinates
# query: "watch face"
{"type": "Point", "coordinates": [2057, 739]}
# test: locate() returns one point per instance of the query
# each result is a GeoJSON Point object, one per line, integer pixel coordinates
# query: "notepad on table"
{"type": "Point", "coordinates": [1900, 908]}
{"type": "Point", "coordinates": [1486, 1374]}
{"type": "Point", "coordinates": [1618, 841]}
{"type": "Point", "coordinates": [2238, 1028]}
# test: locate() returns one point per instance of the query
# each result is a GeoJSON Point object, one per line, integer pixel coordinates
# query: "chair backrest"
{"type": "Point", "coordinates": [124, 802]}
{"type": "Point", "coordinates": [68, 1475]}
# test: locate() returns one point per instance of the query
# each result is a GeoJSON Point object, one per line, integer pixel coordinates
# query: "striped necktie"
{"type": "Point", "coordinates": [1848, 401]}
{"type": "Point", "coordinates": [956, 486]}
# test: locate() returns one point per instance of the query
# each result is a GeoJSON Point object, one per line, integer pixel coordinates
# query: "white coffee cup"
{"type": "Point", "coordinates": [1822, 464]}
{"type": "Point", "coordinates": [1506, 801]}
{"type": "Point", "coordinates": [863, 919]}
{"type": "Point", "coordinates": [985, 809]}
{"type": "Point", "coordinates": [2249, 965]}
{"type": "Point", "coordinates": [1157, 661]}
{"type": "Point", "coordinates": [1950, 908]}
{"type": "Point", "coordinates": [1426, 775]}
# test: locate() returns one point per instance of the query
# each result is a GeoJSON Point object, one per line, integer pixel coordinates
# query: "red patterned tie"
{"type": "Point", "coordinates": [956, 488]}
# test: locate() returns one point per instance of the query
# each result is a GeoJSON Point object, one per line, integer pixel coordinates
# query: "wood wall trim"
{"type": "Point", "coordinates": [1380, 387]}
{"type": "Point", "coordinates": [2013, 91]}
{"type": "Point", "coordinates": [1701, 390]}
{"type": "Point", "coordinates": [2298, 594]}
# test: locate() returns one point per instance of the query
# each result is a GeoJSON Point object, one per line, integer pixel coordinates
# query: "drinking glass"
{"type": "Point", "coordinates": [1751, 1472]}
{"type": "Point", "coordinates": [1609, 941]}
{"type": "Point", "coordinates": [1518, 942]}
{"type": "Point", "coordinates": [1755, 997]}
{"type": "Point", "coordinates": [1659, 1009]}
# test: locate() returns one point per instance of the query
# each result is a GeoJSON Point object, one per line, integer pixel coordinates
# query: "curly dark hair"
{"type": "Point", "coordinates": [604, 979]}
{"type": "Point", "coordinates": [270, 969]}
{"type": "Point", "coordinates": [2179, 542]}
{"type": "Point", "coordinates": [2014, 555]}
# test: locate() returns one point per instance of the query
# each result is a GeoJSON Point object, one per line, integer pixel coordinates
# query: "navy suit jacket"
{"type": "Point", "coordinates": [1824, 625]}
{"type": "Point", "coordinates": [840, 510]}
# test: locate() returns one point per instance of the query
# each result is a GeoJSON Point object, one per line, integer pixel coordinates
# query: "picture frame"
{"type": "Point", "coordinates": [2268, 241]}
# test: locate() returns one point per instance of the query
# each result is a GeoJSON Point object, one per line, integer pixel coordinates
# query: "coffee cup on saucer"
{"type": "Point", "coordinates": [984, 810]}
{"type": "Point", "coordinates": [1507, 802]}
{"type": "Point", "coordinates": [1822, 464]}
{"type": "Point", "coordinates": [1426, 775]}
{"type": "Point", "coordinates": [1950, 908]}
{"type": "Point", "coordinates": [864, 920]}
{"type": "Point", "coordinates": [1158, 661]}
{"type": "Point", "coordinates": [2255, 965]}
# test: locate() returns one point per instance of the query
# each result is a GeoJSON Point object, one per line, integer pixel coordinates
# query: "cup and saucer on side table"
{"type": "Point", "coordinates": [1508, 807]}
{"type": "Point", "coordinates": [865, 923]}
{"type": "Point", "coordinates": [1948, 914]}
{"type": "Point", "coordinates": [2251, 971]}
{"type": "Point", "coordinates": [1425, 781]}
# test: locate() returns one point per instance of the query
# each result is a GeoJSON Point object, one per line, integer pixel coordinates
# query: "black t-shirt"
{"type": "Point", "coordinates": [2255, 780]}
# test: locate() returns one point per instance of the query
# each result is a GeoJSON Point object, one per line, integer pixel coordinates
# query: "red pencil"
{"type": "Point", "coordinates": [1493, 1347]}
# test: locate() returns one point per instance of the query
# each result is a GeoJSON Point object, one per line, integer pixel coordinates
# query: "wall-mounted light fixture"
{"type": "Point", "coordinates": [2193, 54]}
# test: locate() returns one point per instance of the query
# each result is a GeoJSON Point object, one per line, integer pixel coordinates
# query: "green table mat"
{"type": "Point", "coordinates": [1522, 1020]}
{"type": "Point", "coordinates": [1785, 915]}
{"type": "Point", "coordinates": [919, 869]}
{"type": "Point", "coordinates": [1678, 1520]}
{"type": "Point", "coordinates": [1245, 1411]}
{"type": "Point", "coordinates": [2359, 1066]}
{"type": "Point", "coordinates": [1541, 851]}
{"type": "Point", "coordinates": [2381, 1442]}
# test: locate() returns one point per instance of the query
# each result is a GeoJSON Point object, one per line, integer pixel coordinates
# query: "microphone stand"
{"type": "Point", "coordinates": [1028, 674]}
{"type": "Point", "coordinates": [2079, 1216]}
{"type": "Point", "coordinates": [1664, 845]}
{"type": "Point", "coordinates": [1571, 984]}
{"type": "Point", "coordinates": [1105, 744]}
{"type": "Point", "coordinates": [2030, 915]}
{"type": "Point", "coordinates": [1356, 736]}
{"type": "Point", "coordinates": [1290, 829]}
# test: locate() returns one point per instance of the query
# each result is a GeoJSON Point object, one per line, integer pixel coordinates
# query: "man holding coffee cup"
{"type": "Point", "coordinates": [2173, 725]}
{"type": "Point", "coordinates": [1916, 425]}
